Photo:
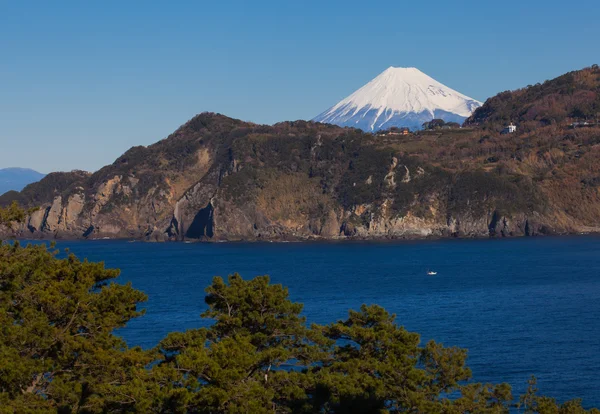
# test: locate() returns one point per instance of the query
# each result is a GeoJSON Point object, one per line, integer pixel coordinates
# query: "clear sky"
{"type": "Point", "coordinates": [83, 81]}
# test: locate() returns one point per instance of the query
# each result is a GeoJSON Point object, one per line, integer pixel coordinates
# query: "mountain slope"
{"type": "Point", "coordinates": [572, 96]}
{"type": "Point", "coordinates": [223, 179]}
{"type": "Point", "coordinates": [218, 178]}
{"type": "Point", "coordinates": [400, 97]}
{"type": "Point", "coordinates": [14, 179]}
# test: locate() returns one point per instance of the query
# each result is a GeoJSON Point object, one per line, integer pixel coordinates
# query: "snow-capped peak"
{"type": "Point", "coordinates": [403, 97]}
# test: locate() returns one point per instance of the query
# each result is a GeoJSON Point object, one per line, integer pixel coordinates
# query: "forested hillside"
{"type": "Point", "coordinates": [218, 178]}
{"type": "Point", "coordinates": [572, 96]}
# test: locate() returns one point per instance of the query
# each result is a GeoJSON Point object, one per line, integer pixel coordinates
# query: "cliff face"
{"type": "Point", "coordinates": [221, 179]}
{"type": "Point", "coordinates": [217, 178]}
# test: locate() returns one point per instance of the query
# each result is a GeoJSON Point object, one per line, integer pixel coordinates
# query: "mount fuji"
{"type": "Point", "coordinates": [399, 97]}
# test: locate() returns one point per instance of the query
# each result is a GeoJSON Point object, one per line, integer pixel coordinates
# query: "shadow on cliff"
{"type": "Point", "coordinates": [202, 225]}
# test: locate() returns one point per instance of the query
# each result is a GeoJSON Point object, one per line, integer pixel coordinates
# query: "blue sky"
{"type": "Point", "coordinates": [81, 82]}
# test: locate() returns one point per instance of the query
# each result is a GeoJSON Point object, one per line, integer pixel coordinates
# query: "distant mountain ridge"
{"type": "Point", "coordinates": [15, 179]}
{"type": "Point", "coordinates": [399, 97]}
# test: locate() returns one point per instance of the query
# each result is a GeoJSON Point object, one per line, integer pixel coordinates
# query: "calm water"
{"type": "Point", "coordinates": [521, 306]}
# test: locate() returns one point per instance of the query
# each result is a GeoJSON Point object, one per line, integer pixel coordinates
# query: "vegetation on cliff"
{"type": "Point", "coordinates": [58, 353]}
{"type": "Point", "coordinates": [574, 95]}
{"type": "Point", "coordinates": [303, 179]}
{"type": "Point", "coordinates": [439, 124]}
{"type": "Point", "coordinates": [12, 213]}
{"type": "Point", "coordinates": [52, 185]}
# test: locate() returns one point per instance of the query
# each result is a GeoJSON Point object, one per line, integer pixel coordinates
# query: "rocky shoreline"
{"type": "Point", "coordinates": [221, 179]}
{"type": "Point", "coordinates": [396, 230]}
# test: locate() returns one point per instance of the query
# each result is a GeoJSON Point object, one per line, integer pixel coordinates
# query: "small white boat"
{"type": "Point", "coordinates": [431, 273]}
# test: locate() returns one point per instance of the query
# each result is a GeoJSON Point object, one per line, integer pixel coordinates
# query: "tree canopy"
{"type": "Point", "coordinates": [439, 123]}
{"type": "Point", "coordinates": [12, 213]}
{"type": "Point", "coordinates": [573, 95]}
{"type": "Point", "coordinates": [58, 353]}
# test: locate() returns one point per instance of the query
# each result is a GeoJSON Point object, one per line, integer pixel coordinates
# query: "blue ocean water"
{"type": "Point", "coordinates": [520, 306]}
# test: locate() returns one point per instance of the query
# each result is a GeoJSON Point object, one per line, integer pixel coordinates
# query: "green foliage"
{"type": "Point", "coordinates": [46, 189]}
{"type": "Point", "coordinates": [355, 186]}
{"type": "Point", "coordinates": [258, 356]}
{"type": "Point", "coordinates": [376, 366]}
{"type": "Point", "coordinates": [236, 365]}
{"type": "Point", "coordinates": [12, 213]}
{"type": "Point", "coordinates": [58, 353]}
{"type": "Point", "coordinates": [241, 186]}
{"type": "Point", "coordinates": [432, 124]}
{"type": "Point", "coordinates": [57, 349]}
{"type": "Point", "coordinates": [415, 195]}
{"type": "Point", "coordinates": [438, 124]}
{"type": "Point", "coordinates": [531, 403]}
{"type": "Point", "coordinates": [478, 191]}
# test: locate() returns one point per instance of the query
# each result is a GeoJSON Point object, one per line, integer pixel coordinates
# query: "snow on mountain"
{"type": "Point", "coordinates": [400, 97]}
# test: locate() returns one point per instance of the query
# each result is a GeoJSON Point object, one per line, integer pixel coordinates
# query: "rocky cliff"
{"type": "Point", "coordinates": [217, 178]}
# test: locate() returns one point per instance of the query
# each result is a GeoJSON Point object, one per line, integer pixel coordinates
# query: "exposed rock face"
{"type": "Point", "coordinates": [73, 209]}
{"type": "Point", "coordinates": [217, 178]}
{"type": "Point", "coordinates": [35, 222]}
{"type": "Point", "coordinates": [53, 216]}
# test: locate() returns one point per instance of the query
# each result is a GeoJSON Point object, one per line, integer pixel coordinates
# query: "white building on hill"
{"type": "Point", "coordinates": [509, 129]}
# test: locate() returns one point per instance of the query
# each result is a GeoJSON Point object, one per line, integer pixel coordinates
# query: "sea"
{"type": "Point", "coordinates": [522, 306]}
